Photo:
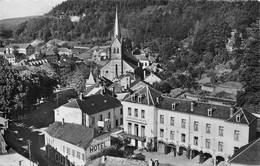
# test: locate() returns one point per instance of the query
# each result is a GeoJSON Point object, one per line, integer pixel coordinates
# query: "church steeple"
{"type": "Point", "coordinates": [116, 28]}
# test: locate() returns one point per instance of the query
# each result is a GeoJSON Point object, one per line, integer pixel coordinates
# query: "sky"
{"type": "Point", "coordinates": [22, 8]}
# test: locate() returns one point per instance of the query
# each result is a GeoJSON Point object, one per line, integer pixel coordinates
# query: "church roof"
{"type": "Point", "coordinates": [90, 80]}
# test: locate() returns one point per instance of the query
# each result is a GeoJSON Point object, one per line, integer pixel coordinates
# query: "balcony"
{"type": "Point", "coordinates": [135, 137]}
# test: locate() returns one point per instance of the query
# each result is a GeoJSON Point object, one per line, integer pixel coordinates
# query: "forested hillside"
{"type": "Point", "coordinates": [165, 26]}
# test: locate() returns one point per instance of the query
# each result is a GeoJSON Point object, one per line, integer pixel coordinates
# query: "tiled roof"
{"type": "Point", "coordinates": [75, 134]}
{"type": "Point", "coordinates": [94, 104]}
{"type": "Point", "coordinates": [148, 94]}
{"type": "Point", "coordinates": [248, 154]}
{"type": "Point", "coordinates": [20, 45]}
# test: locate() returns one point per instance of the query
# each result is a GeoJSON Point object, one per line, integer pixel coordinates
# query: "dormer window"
{"type": "Point", "coordinates": [132, 98]}
{"type": "Point", "coordinates": [238, 118]}
{"type": "Point", "coordinates": [210, 112]}
{"type": "Point", "coordinates": [139, 99]}
{"type": "Point", "coordinates": [173, 106]}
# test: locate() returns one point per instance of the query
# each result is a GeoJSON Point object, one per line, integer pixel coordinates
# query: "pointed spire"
{"type": "Point", "coordinates": [90, 80]}
{"type": "Point", "coordinates": [116, 30]}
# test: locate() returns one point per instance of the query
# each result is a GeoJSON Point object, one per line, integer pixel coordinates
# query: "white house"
{"type": "Point", "coordinates": [100, 111]}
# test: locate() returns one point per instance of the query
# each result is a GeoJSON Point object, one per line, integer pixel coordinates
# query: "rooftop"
{"type": "Point", "coordinates": [248, 154]}
{"type": "Point", "coordinates": [75, 134]}
{"type": "Point", "coordinates": [20, 45]}
{"type": "Point", "coordinates": [94, 104]}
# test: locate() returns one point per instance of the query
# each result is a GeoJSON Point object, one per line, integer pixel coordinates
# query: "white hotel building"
{"type": "Point", "coordinates": [184, 126]}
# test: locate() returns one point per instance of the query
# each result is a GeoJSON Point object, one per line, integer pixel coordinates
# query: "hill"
{"type": "Point", "coordinates": [13, 22]}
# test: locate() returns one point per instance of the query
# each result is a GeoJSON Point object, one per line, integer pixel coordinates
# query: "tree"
{"type": "Point", "coordinates": [12, 91]}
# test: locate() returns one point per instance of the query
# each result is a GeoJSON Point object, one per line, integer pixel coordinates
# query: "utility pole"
{"type": "Point", "coordinates": [29, 149]}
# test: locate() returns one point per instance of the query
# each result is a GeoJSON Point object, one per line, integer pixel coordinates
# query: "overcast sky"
{"type": "Point", "coordinates": [21, 8]}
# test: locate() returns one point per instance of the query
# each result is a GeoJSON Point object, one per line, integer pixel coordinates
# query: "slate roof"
{"type": "Point", "coordinates": [248, 154]}
{"type": "Point", "coordinates": [149, 96]}
{"type": "Point", "coordinates": [75, 134]}
{"type": "Point", "coordinates": [94, 104]}
{"type": "Point", "coordinates": [184, 105]}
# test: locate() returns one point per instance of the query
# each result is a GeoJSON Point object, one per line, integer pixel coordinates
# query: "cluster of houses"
{"type": "Point", "coordinates": [121, 104]}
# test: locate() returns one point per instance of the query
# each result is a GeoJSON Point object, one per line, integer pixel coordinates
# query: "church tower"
{"type": "Point", "coordinates": [116, 46]}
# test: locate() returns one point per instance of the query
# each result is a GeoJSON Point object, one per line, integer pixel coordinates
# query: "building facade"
{"type": "Point", "coordinates": [140, 117]}
{"type": "Point", "coordinates": [207, 130]}
{"type": "Point", "coordinates": [100, 111]}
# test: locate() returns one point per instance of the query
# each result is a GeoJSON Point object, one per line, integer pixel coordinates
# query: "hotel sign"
{"type": "Point", "coordinates": [97, 147]}
{"type": "Point", "coordinates": [136, 119]}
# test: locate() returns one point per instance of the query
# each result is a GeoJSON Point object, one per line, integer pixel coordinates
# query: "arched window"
{"type": "Point", "coordinates": [114, 49]}
{"type": "Point", "coordinates": [117, 50]}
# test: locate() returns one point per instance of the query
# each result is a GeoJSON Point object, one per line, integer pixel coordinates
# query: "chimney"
{"type": "Point", "coordinates": [102, 90]}
{"type": "Point", "coordinates": [81, 96]}
{"type": "Point", "coordinates": [144, 74]}
{"type": "Point", "coordinates": [62, 121]}
{"type": "Point", "coordinates": [138, 64]}
{"type": "Point", "coordinates": [232, 111]}
{"type": "Point", "coordinates": [158, 100]}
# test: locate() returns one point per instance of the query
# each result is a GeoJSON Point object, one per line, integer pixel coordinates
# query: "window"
{"type": "Point", "coordinates": [129, 111]}
{"type": "Point", "coordinates": [93, 120]}
{"type": "Point", "coordinates": [195, 141]}
{"type": "Point", "coordinates": [196, 126]}
{"type": "Point", "coordinates": [172, 135]}
{"type": "Point", "coordinates": [83, 157]}
{"type": "Point", "coordinates": [121, 121]}
{"type": "Point", "coordinates": [63, 149]}
{"type": "Point", "coordinates": [209, 112]}
{"type": "Point", "coordinates": [142, 131]}
{"type": "Point", "coordinates": [238, 117]}
{"type": "Point", "coordinates": [116, 122]}
{"type": "Point", "coordinates": [139, 99]}
{"type": "Point", "coordinates": [220, 131]}
{"type": "Point", "coordinates": [117, 50]}
{"type": "Point", "coordinates": [114, 49]}
{"type": "Point", "coordinates": [161, 119]}
{"type": "Point", "coordinates": [235, 149]}
{"type": "Point", "coordinates": [161, 133]}
{"type": "Point", "coordinates": [100, 117]}
{"type": "Point", "coordinates": [73, 153]}
{"type": "Point", "coordinates": [68, 151]}
{"type": "Point", "coordinates": [183, 123]}
{"type": "Point", "coordinates": [136, 129]}
{"type": "Point", "coordinates": [121, 111]}
{"type": "Point", "coordinates": [182, 137]}
{"type": "Point", "coordinates": [56, 156]}
{"type": "Point", "coordinates": [78, 155]}
{"type": "Point", "coordinates": [208, 128]}
{"type": "Point", "coordinates": [143, 113]}
{"type": "Point", "coordinates": [106, 71]}
{"type": "Point", "coordinates": [108, 115]}
{"type": "Point", "coordinates": [220, 146]}
{"type": "Point", "coordinates": [208, 143]}
{"type": "Point", "coordinates": [136, 112]}
{"type": "Point", "coordinates": [129, 128]}
{"type": "Point", "coordinates": [172, 121]}
{"type": "Point", "coordinates": [236, 135]}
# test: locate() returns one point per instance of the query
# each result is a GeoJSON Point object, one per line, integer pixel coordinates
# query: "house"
{"type": "Point", "coordinates": [64, 51]}
{"type": "Point", "coordinates": [247, 155]}
{"type": "Point", "coordinates": [72, 144]}
{"type": "Point", "coordinates": [152, 78]}
{"type": "Point", "coordinates": [206, 130]}
{"type": "Point", "coordinates": [10, 58]}
{"type": "Point", "coordinates": [2, 51]}
{"type": "Point", "coordinates": [140, 116]}
{"type": "Point", "coordinates": [99, 111]}
{"type": "Point", "coordinates": [143, 59]}
{"type": "Point", "coordinates": [125, 80]}
{"type": "Point", "coordinates": [121, 62]}
{"type": "Point", "coordinates": [25, 48]}
{"type": "Point", "coordinates": [101, 53]}
{"type": "Point", "coordinates": [229, 87]}
{"type": "Point", "coordinates": [3, 144]}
